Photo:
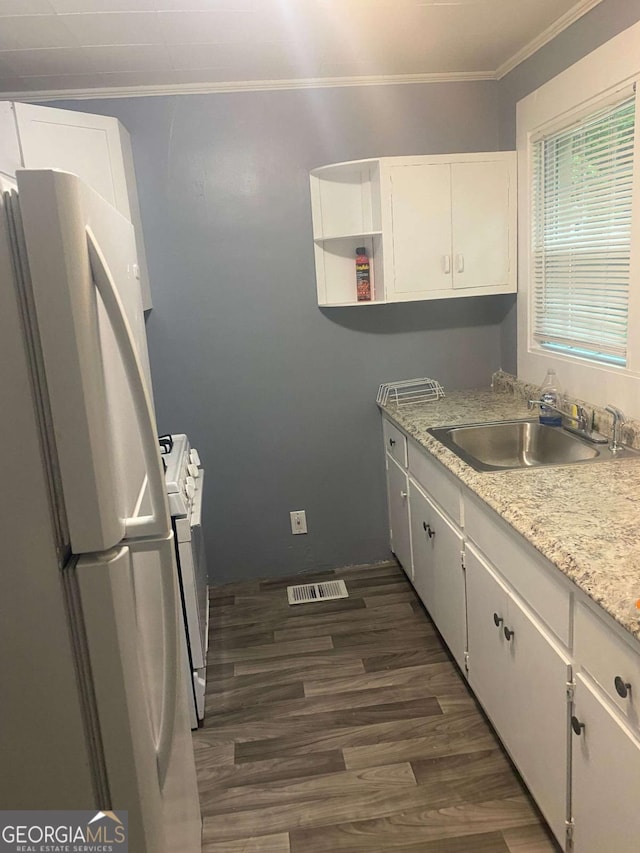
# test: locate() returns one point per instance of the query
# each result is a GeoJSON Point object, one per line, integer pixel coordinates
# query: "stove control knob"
{"type": "Point", "coordinates": [193, 470]}
{"type": "Point", "coordinates": [194, 457]}
{"type": "Point", "coordinates": [190, 487]}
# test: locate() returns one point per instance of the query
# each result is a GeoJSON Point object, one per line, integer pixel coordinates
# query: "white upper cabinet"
{"type": "Point", "coordinates": [434, 227]}
{"type": "Point", "coordinates": [96, 148]}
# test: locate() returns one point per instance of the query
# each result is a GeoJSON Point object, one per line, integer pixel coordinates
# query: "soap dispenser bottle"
{"type": "Point", "coordinates": [550, 393]}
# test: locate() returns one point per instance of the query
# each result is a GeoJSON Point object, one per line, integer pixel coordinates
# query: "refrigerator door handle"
{"type": "Point", "coordinates": [156, 524]}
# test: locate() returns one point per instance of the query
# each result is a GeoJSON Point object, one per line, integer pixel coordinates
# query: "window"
{"type": "Point", "coordinates": [582, 182]}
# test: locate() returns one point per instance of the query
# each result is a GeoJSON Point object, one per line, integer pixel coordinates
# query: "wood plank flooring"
{"type": "Point", "coordinates": [345, 726]}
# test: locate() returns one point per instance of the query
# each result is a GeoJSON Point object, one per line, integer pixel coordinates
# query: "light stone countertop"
{"type": "Point", "coordinates": [584, 518]}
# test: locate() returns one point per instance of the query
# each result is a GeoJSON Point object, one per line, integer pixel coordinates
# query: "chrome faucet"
{"type": "Point", "coordinates": [581, 421]}
{"type": "Point", "coordinates": [618, 420]}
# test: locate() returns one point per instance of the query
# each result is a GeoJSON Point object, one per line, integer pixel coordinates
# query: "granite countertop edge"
{"type": "Point", "coordinates": [584, 519]}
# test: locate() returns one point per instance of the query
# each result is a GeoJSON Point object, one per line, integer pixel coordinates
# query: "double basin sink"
{"type": "Point", "coordinates": [508, 445]}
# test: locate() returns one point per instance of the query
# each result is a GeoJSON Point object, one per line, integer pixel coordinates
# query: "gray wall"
{"type": "Point", "coordinates": [277, 394]}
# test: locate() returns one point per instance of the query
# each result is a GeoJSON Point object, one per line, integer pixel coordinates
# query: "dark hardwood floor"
{"type": "Point", "coordinates": [345, 726]}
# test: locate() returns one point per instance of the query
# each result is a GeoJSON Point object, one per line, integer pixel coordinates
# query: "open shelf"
{"type": "Point", "coordinates": [360, 235]}
{"type": "Point", "coordinates": [336, 269]}
{"type": "Point", "coordinates": [346, 210]}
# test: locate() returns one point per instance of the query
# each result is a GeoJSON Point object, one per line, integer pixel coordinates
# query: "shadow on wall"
{"type": "Point", "coordinates": [423, 316]}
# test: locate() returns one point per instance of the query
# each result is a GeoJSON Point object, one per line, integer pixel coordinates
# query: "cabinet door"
{"type": "Point", "coordinates": [421, 545]}
{"type": "Point", "coordinates": [437, 570]}
{"type": "Point", "coordinates": [539, 735]}
{"type": "Point", "coordinates": [97, 149]}
{"type": "Point", "coordinates": [421, 223]}
{"type": "Point", "coordinates": [398, 499]}
{"type": "Point", "coordinates": [605, 778]}
{"type": "Point", "coordinates": [520, 678]}
{"type": "Point", "coordinates": [483, 247]}
{"type": "Point", "coordinates": [86, 145]}
{"type": "Point", "coordinates": [488, 658]}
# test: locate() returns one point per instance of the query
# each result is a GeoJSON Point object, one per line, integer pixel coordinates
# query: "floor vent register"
{"type": "Point", "coordinates": [305, 593]}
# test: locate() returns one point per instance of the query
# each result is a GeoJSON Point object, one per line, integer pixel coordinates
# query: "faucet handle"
{"type": "Point", "coordinates": [584, 423]}
{"type": "Point", "coordinates": [618, 420]}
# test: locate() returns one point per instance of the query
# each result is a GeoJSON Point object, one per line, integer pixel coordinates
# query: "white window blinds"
{"type": "Point", "coordinates": [582, 188]}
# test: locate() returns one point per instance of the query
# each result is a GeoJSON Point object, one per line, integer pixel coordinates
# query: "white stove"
{"type": "Point", "coordinates": [184, 477]}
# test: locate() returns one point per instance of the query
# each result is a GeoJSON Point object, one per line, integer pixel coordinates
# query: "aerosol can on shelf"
{"type": "Point", "coordinates": [363, 275]}
{"type": "Point", "coordinates": [550, 393]}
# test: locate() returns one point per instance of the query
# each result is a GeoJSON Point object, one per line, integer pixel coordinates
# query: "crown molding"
{"type": "Point", "coordinates": [206, 88]}
{"type": "Point", "coordinates": [244, 86]}
{"type": "Point", "coordinates": [546, 36]}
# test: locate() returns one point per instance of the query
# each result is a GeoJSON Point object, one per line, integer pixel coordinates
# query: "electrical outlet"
{"type": "Point", "coordinates": [298, 521]}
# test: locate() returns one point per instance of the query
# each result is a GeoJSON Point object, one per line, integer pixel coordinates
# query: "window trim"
{"type": "Point", "coordinates": [602, 76]}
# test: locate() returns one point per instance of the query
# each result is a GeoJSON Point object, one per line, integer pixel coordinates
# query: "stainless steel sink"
{"type": "Point", "coordinates": [506, 445]}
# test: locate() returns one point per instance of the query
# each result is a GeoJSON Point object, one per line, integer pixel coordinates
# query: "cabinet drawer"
{"type": "Point", "coordinates": [434, 479]}
{"type": "Point", "coordinates": [395, 442]}
{"type": "Point", "coordinates": [606, 656]}
{"type": "Point", "coordinates": [532, 577]}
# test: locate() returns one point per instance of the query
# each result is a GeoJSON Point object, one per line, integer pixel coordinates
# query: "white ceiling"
{"type": "Point", "coordinates": [50, 47]}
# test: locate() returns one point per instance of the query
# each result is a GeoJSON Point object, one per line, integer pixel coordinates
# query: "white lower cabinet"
{"type": "Point", "coordinates": [438, 573]}
{"type": "Point", "coordinates": [487, 616]}
{"type": "Point", "coordinates": [605, 776]}
{"type": "Point", "coordinates": [520, 677]}
{"type": "Point", "coordinates": [523, 631]}
{"type": "Point", "coordinates": [398, 502]}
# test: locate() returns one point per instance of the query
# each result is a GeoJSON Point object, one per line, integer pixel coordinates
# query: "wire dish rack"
{"type": "Point", "coordinates": [409, 391]}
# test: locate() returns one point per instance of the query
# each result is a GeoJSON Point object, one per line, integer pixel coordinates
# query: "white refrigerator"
{"type": "Point", "coordinates": [93, 711]}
